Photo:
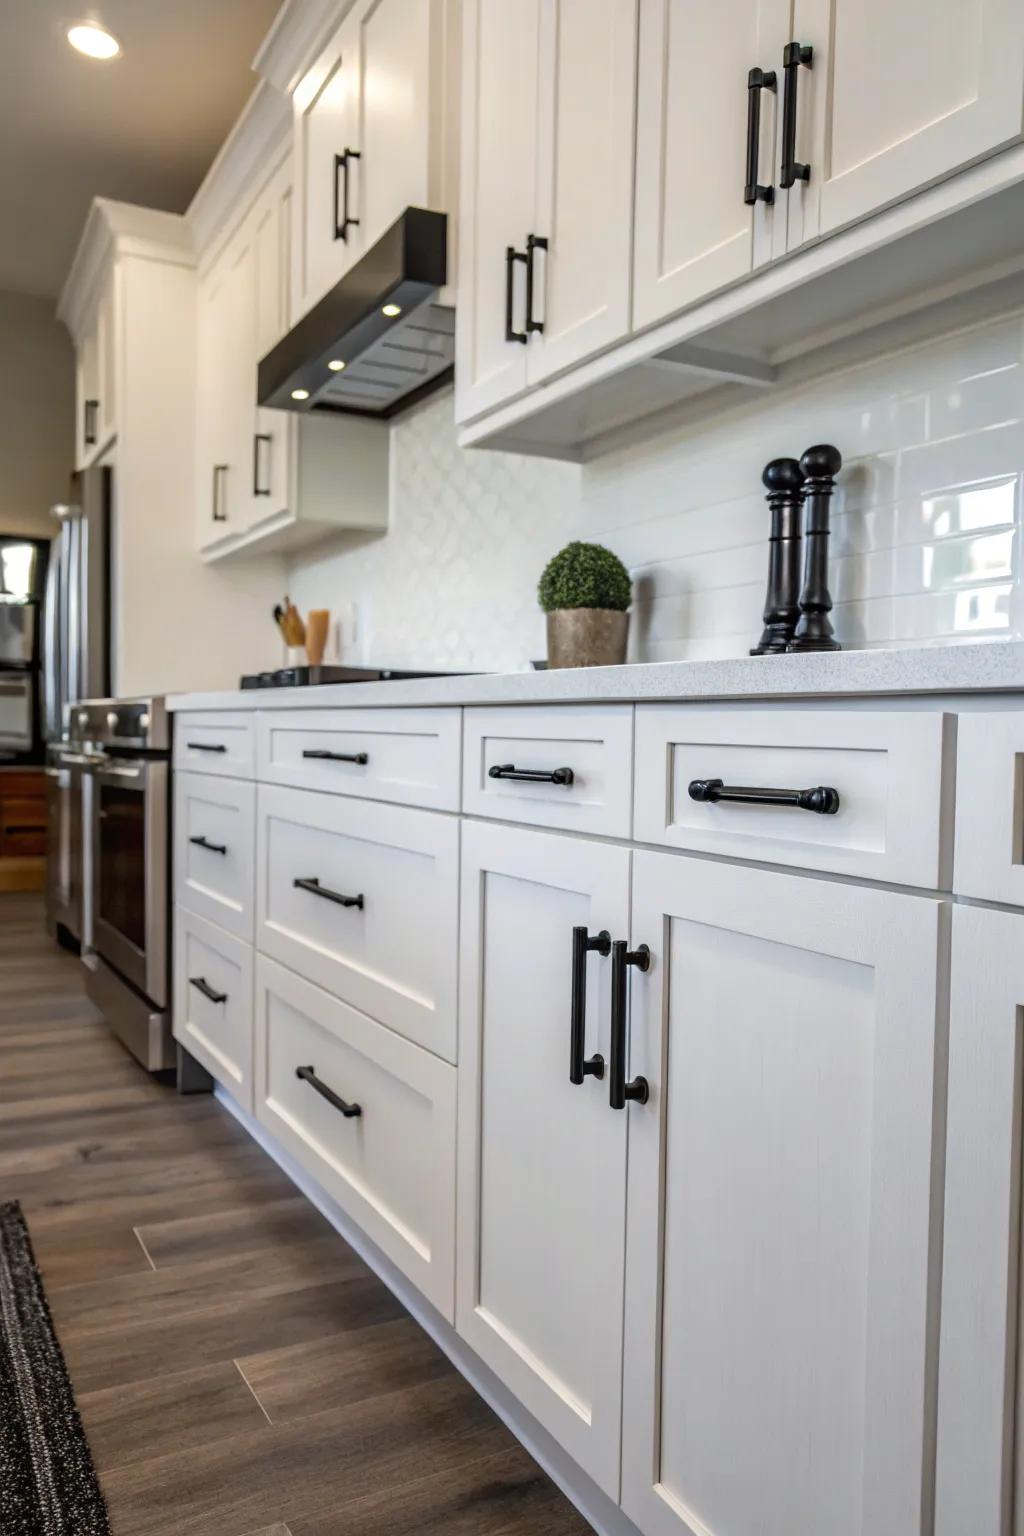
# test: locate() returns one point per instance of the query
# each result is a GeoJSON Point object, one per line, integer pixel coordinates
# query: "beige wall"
{"type": "Point", "coordinates": [37, 395]}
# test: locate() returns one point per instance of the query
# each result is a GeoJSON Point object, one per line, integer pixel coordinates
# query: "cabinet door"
{"type": "Point", "coordinates": [326, 127]}
{"type": "Point", "coordinates": [900, 93]}
{"type": "Point", "coordinates": [781, 1294]}
{"type": "Point", "coordinates": [271, 238]}
{"type": "Point", "coordinates": [87, 396]}
{"type": "Point", "coordinates": [694, 232]}
{"type": "Point", "coordinates": [393, 172]}
{"type": "Point", "coordinates": [107, 358]}
{"type": "Point", "coordinates": [541, 1162]}
{"type": "Point", "coordinates": [212, 406]}
{"type": "Point", "coordinates": [498, 198]}
{"type": "Point", "coordinates": [585, 180]}
{"type": "Point", "coordinates": [978, 1484]}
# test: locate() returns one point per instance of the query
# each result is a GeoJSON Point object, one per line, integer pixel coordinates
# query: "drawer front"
{"type": "Point", "coordinates": [220, 744]}
{"type": "Point", "coordinates": [213, 981]}
{"type": "Point", "coordinates": [363, 899]}
{"type": "Point", "coordinates": [214, 849]}
{"type": "Point", "coordinates": [989, 860]}
{"type": "Point", "coordinates": [889, 769]}
{"type": "Point", "coordinates": [588, 751]}
{"type": "Point", "coordinates": [391, 1166]}
{"type": "Point", "coordinates": [409, 756]}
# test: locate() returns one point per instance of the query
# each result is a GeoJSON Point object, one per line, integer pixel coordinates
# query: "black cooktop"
{"type": "Point", "coordinates": [312, 677]}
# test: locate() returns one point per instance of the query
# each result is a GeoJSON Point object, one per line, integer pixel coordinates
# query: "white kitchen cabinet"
{"type": "Point", "coordinates": [545, 249]}
{"type": "Point", "coordinates": [541, 1161]}
{"type": "Point", "coordinates": [694, 232]}
{"type": "Point", "coordinates": [96, 376]}
{"type": "Point", "coordinates": [899, 95]}
{"type": "Point", "coordinates": [978, 1480]}
{"type": "Point", "coordinates": [375, 133]}
{"type": "Point", "coordinates": [784, 1179]}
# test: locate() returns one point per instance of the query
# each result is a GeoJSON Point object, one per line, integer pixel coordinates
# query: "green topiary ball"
{"type": "Point", "coordinates": [585, 576]}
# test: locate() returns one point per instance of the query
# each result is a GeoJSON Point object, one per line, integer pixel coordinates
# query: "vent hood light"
{"type": "Point", "coordinates": [94, 41]}
{"type": "Point", "coordinates": [378, 340]}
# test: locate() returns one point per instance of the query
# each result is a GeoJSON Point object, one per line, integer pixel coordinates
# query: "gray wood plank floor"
{"type": "Point", "coordinates": [239, 1369]}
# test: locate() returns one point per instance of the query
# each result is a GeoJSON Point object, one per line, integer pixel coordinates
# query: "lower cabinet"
{"type": "Point", "coordinates": [781, 1278]}
{"type": "Point", "coordinates": [542, 1160]}
{"type": "Point", "coordinates": [979, 1483]}
{"type": "Point", "coordinates": [213, 1001]}
{"type": "Point", "coordinates": [370, 1115]}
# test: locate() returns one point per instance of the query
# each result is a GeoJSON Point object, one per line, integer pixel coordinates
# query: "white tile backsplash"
{"type": "Point", "coordinates": [926, 519]}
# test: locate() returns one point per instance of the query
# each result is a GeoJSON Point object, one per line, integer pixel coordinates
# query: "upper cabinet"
{"type": "Point", "coordinates": [96, 375]}
{"type": "Point", "coordinates": [375, 133]}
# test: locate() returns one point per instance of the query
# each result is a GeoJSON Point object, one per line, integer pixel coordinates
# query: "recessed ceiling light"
{"type": "Point", "coordinates": [336, 365]}
{"type": "Point", "coordinates": [391, 310]}
{"type": "Point", "coordinates": [300, 394]}
{"type": "Point", "coordinates": [94, 41]}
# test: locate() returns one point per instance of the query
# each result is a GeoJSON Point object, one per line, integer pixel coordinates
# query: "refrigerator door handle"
{"type": "Point", "coordinates": [51, 634]}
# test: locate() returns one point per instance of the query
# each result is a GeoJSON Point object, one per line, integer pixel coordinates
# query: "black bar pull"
{"type": "Point", "coordinates": [823, 800]}
{"type": "Point", "coordinates": [90, 411]}
{"type": "Point", "coordinates": [758, 80]}
{"type": "Point", "coordinates": [793, 56]}
{"type": "Point", "coordinates": [313, 886]}
{"type": "Point", "coordinates": [343, 224]}
{"type": "Point", "coordinates": [533, 243]}
{"type": "Point", "coordinates": [563, 776]}
{"type": "Point", "coordinates": [203, 842]}
{"type": "Point", "coordinates": [582, 944]}
{"type": "Point", "coordinates": [257, 439]}
{"type": "Point", "coordinates": [321, 755]}
{"type": "Point", "coordinates": [202, 985]}
{"type": "Point", "coordinates": [308, 1075]}
{"type": "Point", "coordinates": [206, 746]}
{"type": "Point", "coordinates": [619, 1091]}
{"type": "Point", "coordinates": [219, 515]}
{"type": "Point", "coordinates": [511, 257]}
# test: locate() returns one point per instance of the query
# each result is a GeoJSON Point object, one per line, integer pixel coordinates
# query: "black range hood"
{"type": "Point", "coordinates": [381, 322]}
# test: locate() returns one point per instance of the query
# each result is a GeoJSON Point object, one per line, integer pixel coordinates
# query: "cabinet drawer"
{"type": "Point", "coordinates": [213, 1001]}
{"type": "Point", "coordinates": [889, 770]}
{"type": "Point", "coordinates": [214, 838]}
{"type": "Point", "coordinates": [220, 744]}
{"type": "Point", "coordinates": [410, 756]}
{"type": "Point", "coordinates": [391, 1166]}
{"type": "Point", "coordinates": [989, 858]}
{"type": "Point", "coordinates": [363, 899]}
{"type": "Point", "coordinates": [588, 750]}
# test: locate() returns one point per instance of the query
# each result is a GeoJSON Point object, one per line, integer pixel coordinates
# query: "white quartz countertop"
{"type": "Point", "coordinates": [995, 666]}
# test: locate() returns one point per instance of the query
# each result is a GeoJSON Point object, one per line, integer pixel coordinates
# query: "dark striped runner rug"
{"type": "Point", "coordinates": [48, 1484]}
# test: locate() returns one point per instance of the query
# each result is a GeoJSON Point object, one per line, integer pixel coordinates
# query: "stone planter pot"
{"type": "Point", "coordinates": [587, 637]}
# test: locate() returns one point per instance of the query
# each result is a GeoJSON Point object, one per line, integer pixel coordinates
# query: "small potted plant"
{"type": "Point", "coordinates": [585, 592]}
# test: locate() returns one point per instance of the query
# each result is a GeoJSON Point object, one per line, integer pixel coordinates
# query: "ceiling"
{"type": "Point", "coordinates": [143, 128]}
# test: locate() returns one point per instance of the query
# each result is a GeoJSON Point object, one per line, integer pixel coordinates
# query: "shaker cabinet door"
{"type": "Point", "coordinates": [899, 94]}
{"type": "Point", "coordinates": [781, 1285]}
{"type": "Point", "coordinates": [326, 170]}
{"type": "Point", "coordinates": [693, 230]}
{"type": "Point", "coordinates": [542, 1162]}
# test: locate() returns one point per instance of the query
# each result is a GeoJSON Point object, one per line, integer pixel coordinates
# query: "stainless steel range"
{"type": "Point", "coordinates": [129, 742]}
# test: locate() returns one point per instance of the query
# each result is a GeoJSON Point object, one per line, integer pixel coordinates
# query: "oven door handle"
{"type": "Point", "coordinates": [115, 771]}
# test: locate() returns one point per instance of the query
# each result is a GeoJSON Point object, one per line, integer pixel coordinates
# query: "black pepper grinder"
{"type": "Point", "coordinates": [784, 480]}
{"type": "Point", "coordinates": [814, 631]}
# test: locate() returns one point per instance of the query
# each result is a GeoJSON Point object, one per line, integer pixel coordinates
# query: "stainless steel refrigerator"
{"type": "Point", "coordinates": [76, 613]}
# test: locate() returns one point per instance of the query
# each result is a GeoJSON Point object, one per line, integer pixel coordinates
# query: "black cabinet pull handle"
{"type": "Point", "coordinates": [313, 886]}
{"type": "Point", "coordinates": [219, 515]}
{"type": "Point", "coordinates": [619, 1091]}
{"type": "Point", "coordinates": [793, 56]}
{"type": "Point", "coordinates": [257, 439]}
{"type": "Point", "coordinates": [203, 842]}
{"type": "Point", "coordinates": [822, 799]}
{"type": "Point", "coordinates": [202, 985]}
{"type": "Point", "coordinates": [582, 944]}
{"type": "Point", "coordinates": [308, 1075]}
{"type": "Point", "coordinates": [90, 410]}
{"type": "Point", "coordinates": [206, 746]}
{"type": "Point", "coordinates": [343, 224]}
{"type": "Point", "coordinates": [533, 243]}
{"type": "Point", "coordinates": [563, 776]}
{"type": "Point", "coordinates": [758, 80]}
{"type": "Point", "coordinates": [321, 755]}
{"type": "Point", "coordinates": [511, 257]}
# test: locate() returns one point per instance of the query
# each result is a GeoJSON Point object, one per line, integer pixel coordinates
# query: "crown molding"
{"type": "Point", "coordinates": [300, 30]}
{"type": "Point", "coordinates": [118, 229]}
{"type": "Point", "coordinates": [252, 149]}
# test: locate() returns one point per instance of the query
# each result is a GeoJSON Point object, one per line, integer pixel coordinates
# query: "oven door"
{"type": "Point", "coordinates": [130, 872]}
